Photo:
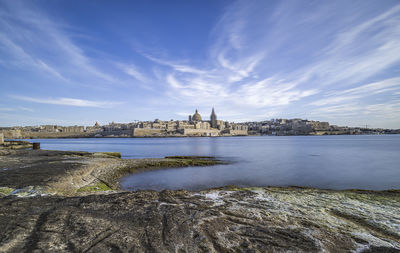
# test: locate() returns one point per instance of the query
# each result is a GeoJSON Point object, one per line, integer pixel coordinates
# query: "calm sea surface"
{"type": "Point", "coordinates": [330, 162]}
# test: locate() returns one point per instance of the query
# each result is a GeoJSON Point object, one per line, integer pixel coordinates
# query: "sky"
{"type": "Point", "coordinates": [77, 62]}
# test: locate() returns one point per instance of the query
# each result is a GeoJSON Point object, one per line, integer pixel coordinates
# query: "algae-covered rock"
{"type": "Point", "coordinates": [6, 191]}
{"type": "Point", "coordinates": [113, 154]}
{"type": "Point", "coordinates": [100, 186]}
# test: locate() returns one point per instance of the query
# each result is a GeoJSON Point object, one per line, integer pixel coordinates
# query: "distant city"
{"type": "Point", "coordinates": [193, 126]}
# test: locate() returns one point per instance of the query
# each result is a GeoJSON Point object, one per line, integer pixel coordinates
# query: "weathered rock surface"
{"type": "Point", "coordinates": [14, 144]}
{"type": "Point", "coordinates": [64, 172]}
{"type": "Point", "coordinates": [46, 169]}
{"type": "Point", "coordinates": [225, 220]}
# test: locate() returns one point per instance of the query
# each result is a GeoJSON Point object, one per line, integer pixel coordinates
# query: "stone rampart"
{"type": "Point", "coordinates": [127, 132]}
{"type": "Point", "coordinates": [38, 135]}
{"type": "Point", "coordinates": [12, 134]}
{"type": "Point", "coordinates": [201, 132]}
{"type": "Point", "coordinates": [238, 132]}
{"type": "Point", "coordinates": [145, 132]}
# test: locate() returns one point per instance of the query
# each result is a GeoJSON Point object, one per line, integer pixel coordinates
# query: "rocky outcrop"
{"type": "Point", "coordinates": [66, 172]}
{"type": "Point", "coordinates": [219, 220]}
{"type": "Point", "coordinates": [7, 145]}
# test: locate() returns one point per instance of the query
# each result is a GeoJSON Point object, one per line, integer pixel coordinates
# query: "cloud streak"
{"type": "Point", "coordinates": [34, 41]}
{"type": "Point", "coordinates": [132, 71]}
{"type": "Point", "coordinates": [371, 89]}
{"type": "Point", "coordinates": [68, 102]}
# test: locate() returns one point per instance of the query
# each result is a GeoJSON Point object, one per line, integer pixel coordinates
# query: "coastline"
{"type": "Point", "coordinates": [179, 136]}
{"type": "Point", "coordinates": [73, 203]}
{"type": "Point", "coordinates": [67, 172]}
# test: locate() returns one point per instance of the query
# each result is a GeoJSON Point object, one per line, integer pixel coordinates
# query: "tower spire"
{"type": "Point", "coordinates": [213, 119]}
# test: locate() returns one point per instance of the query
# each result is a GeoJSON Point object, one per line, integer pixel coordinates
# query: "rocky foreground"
{"type": "Point", "coordinates": [71, 207]}
{"type": "Point", "coordinates": [225, 220]}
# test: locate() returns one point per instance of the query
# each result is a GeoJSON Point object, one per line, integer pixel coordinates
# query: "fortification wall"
{"type": "Point", "coordinates": [144, 132]}
{"type": "Point", "coordinates": [127, 132]}
{"type": "Point", "coordinates": [201, 132]}
{"type": "Point", "coordinates": [238, 132]}
{"type": "Point", "coordinates": [38, 135]}
{"type": "Point", "coordinates": [11, 134]}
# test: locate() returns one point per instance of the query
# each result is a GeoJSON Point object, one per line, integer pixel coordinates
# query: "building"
{"type": "Point", "coordinates": [213, 119]}
{"type": "Point", "coordinates": [196, 116]}
{"type": "Point", "coordinates": [94, 129]}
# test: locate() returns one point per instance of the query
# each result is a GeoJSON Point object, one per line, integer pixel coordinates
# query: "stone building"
{"type": "Point", "coordinates": [236, 129]}
{"type": "Point", "coordinates": [11, 133]}
{"type": "Point", "coordinates": [171, 125]}
{"type": "Point", "coordinates": [73, 129]}
{"type": "Point", "coordinates": [202, 125]}
{"type": "Point", "coordinates": [94, 129]}
{"type": "Point", "coordinates": [185, 125]}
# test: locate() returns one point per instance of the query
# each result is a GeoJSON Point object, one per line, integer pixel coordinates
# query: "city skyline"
{"type": "Point", "coordinates": [74, 64]}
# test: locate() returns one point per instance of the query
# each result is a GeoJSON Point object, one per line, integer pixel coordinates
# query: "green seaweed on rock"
{"type": "Point", "coordinates": [100, 186]}
{"type": "Point", "coordinates": [6, 191]}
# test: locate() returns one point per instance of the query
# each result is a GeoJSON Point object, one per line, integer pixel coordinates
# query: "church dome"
{"type": "Point", "coordinates": [196, 116]}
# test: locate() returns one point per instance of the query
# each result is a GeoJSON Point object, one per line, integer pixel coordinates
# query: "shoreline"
{"type": "Point", "coordinates": [70, 172]}
{"type": "Point", "coordinates": [146, 137]}
{"type": "Point", "coordinates": [90, 172]}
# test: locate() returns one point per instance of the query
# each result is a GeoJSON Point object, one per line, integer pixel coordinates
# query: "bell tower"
{"type": "Point", "coordinates": [213, 119]}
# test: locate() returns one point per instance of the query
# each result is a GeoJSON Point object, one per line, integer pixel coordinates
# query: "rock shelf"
{"type": "Point", "coordinates": [73, 204]}
{"type": "Point", "coordinates": [70, 172]}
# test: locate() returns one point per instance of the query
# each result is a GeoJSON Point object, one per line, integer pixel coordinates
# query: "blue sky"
{"type": "Point", "coordinates": [78, 62]}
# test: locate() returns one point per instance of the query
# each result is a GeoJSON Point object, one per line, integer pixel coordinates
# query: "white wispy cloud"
{"type": "Point", "coordinates": [270, 92]}
{"type": "Point", "coordinates": [359, 92]}
{"type": "Point", "coordinates": [339, 109]}
{"type": "Point", "coordinates": [23, 30]}
{"type": "Point", "coordinates": [375, 87]}
{"type": "Point", "coordinates": [390, 110]}
{"type": "Point", "coordinates": [19, 108]}
{"type": "Point", "coordinates": [176, 66]}
{"type": "Point", "coordinates": [359, 52]}
{"type": "Point", "coordinates": [5, 109]}
{"type": "Point", "coordinates": [132, 70]}
{"type": "Point", "coordinates": [22, 59]}
{"type": "Point", "coordinates": [68, 101]}
{"type": "Point", "coordinates": [25, 109]}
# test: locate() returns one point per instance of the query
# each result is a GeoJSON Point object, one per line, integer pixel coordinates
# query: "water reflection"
{"type": "Point", "coordinates": [338, 162]}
